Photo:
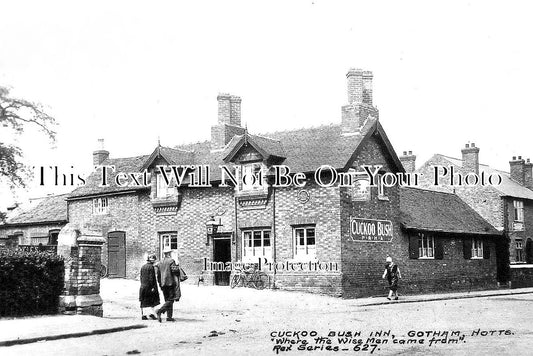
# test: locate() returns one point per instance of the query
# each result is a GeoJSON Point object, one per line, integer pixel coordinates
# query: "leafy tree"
{"type": "Point", "coordinates": [15, 115]}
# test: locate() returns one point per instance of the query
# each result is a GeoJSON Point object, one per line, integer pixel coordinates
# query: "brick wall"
{"type": "Point", "coordinates": [364, 262]}
{"type": "Point", "coordinates": [323, 211]}
{"type": "Point", "coordinates": [123, 216]}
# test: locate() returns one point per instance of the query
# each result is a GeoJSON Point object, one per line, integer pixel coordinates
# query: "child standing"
{"type": "Point", "coordinates": [392, 272]}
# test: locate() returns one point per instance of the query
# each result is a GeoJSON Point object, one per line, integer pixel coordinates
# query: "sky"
{"type": "Point", "coordinates": [133, 72]}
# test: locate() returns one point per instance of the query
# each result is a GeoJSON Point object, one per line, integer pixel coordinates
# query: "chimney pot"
{"type": "Point", "coordinates": [229, 120]}
{"type": "Point", "coordinates": [360, 105]}
{"type": "Point", "coordinates": [514, 158]}
{"type": "Point", "coordinates": [408, 161]}
{"type": "Point", "coordinates": [471, 158]}
{"type": "Point", "coordinates": [519, 157]}
{"type": "Point", "coordinates": [100, 155]}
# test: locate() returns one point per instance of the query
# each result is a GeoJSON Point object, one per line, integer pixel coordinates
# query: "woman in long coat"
{"type": "Point", "coordinates": [148, 293]}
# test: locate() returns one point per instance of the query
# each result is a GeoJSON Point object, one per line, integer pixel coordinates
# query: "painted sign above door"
{"type": "Point", "coordinates": [370, 230]}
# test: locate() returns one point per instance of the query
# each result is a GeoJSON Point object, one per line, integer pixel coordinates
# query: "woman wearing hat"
{"type": "Point", "coordinates": [392, 272]}
{"type": "Point", "coordinates": [148, 294]}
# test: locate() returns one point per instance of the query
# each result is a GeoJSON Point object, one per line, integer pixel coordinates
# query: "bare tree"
{"type": "Point", "coordinates": [15, 115]}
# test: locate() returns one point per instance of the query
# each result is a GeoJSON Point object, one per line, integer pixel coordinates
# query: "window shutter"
{"type": "Point", "coordinates": [467, 248]}
{"type": "Point", "coordinates": [486, 250]}
{"type": "Point", "coordinates": [439, 249]}
{"type": "Point", "coordinates": [413, 246]}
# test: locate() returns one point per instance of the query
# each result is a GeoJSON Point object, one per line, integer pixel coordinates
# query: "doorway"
{"type": "Point", "coordinates": [222, 253]}
{"type": "Point", "coordinates": [116, 253]}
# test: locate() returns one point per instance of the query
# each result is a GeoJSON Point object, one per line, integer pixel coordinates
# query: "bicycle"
{"type": "Point", "coordinates": [103, 271]}
{"type": "Point", "coordinates": [249, 278]}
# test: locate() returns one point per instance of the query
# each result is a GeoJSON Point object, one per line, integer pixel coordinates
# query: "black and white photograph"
{"type": "Point", "coordinates": [266, 177]}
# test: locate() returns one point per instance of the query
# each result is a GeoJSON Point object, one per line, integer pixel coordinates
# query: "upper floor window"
{"type": "Point", "coordinates": [361, 189]}
{"type": "Point", "coordinates": [519, 250]}
{"type": "Point", "coordinates": [256, 244]}
{"type": "Point", "coordinates": [477, 248]}
{"type": "Point", "coordinates": [100, 206]}
{"type": "Point", "coordinates": [251, 177]}
{"type": "Point", "coordinates": [304, 242]}
{"type": "Point", "coordinates": [163, 189]}
{"type": "Point", "coordinates": [518, 210]}
{"type": "Point", "coordinates": [381, 187]}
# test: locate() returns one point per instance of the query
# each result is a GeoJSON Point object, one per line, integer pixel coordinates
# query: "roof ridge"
{"type": "Point", "coordinates": [299, 129]}
{"type": "Point", "coordinates": [429, 190]}
{"type": "Point", "coordinates": [177, 149]}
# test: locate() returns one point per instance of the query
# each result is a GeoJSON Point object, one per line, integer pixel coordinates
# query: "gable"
{"type": "Point", "coordinates": [375, 149]}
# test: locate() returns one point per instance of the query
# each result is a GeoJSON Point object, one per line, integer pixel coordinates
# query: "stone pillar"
{"type": "Point", "coordinates": [82, 251]}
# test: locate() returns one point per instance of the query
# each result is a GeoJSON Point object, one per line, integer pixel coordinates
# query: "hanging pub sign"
{"type": "Point", "coordinates": [370, 230]}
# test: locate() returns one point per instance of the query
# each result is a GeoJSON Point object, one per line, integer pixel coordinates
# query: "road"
{"type": "Point", "coordinates": [221, 321]}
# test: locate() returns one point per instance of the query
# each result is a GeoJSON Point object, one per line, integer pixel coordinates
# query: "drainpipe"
{"type": "Point", "coordinates": [274, 235]}
{"type": "Point", "coordinates": [236, 227]}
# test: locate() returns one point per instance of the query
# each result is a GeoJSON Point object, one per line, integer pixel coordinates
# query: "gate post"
{"type": "Point", "coordinates": [82, 252]}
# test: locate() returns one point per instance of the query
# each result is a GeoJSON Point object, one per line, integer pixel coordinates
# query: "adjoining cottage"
{"type": "Point", "coordinates": [331, 240]}
{"type": "Point", "coordinates": [35, 226]}
{"type": "Point", "coordinates": [507, 206]}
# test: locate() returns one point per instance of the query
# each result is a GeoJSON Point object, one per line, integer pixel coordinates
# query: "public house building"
{"type": "Point", "coordinates": [323, 238]}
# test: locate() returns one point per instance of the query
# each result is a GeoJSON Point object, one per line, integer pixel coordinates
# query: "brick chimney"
{"type": "Point", "coordinates": [471, 158]}
{"type": "Point", "coordinates": [100, 154]}
{"type": "Point", "coordinates": [528, 174]}
{"type": "Point", "coordinates": [517, 169]}
{"type": "Point", "coordinates": [408, 160]}
{"type": "Point", "coordinates": [229, 121]}
{"type": "Point", "coordinates": [359, 100]}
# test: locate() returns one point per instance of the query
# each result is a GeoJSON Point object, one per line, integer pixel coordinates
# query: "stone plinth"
{"type": "Point", "coordinates": [82, 251]}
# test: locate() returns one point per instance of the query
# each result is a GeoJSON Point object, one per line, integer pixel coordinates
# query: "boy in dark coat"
{"type": "Point", "coordinates": [148, 294]}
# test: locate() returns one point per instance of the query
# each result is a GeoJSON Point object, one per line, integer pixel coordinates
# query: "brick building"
{"type": "Point", "coordinates": [329, 239]}
{"type": "Point", "coordinates": [36, 225]}
{"type": "Point", "coordinates": [507, 206]}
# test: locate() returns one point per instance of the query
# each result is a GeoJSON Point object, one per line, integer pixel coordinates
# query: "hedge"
{"type": "Point", "coordinates": [30, 282]}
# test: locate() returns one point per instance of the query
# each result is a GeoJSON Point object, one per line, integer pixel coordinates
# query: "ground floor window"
{"type": "Point", "coordinates": [256, 244]}
{"type": "Point", "coordinates": [169, 240]}
{"type": "Point", "coordinates": [426, 246]}
{"type": "Point", "coordinates": [519, 250]}
{"type": "Point", "coordinates": [477, 248]}
{"type": "Point", "coordinates": [304, 242]}
{"type": "Point", "coordinates": [52, 237]}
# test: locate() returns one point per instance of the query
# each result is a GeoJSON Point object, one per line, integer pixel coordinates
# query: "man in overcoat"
{"type": "Point", "coordinates": [168, 279]}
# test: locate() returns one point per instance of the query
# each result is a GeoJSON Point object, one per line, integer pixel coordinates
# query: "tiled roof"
{"type": "Point", "coordinates": [508, 187]}
{"type": "Point", "coordinates": [50, 209]}
{"type": "Point", "coordinates": [305, 150]}
{"type": "Point", "coordinates": [93, 184]}
{"type": "Point", "coordinates": [430, 210]}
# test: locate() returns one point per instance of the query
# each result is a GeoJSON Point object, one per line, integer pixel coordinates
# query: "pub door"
{"type": "Point", "coordinates": [116, 254]}
{"type": "Point", "coordinates": [222, 253]}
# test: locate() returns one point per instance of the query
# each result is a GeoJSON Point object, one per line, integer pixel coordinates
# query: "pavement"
{"type": "Point", "coordinates": [121, 311]}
